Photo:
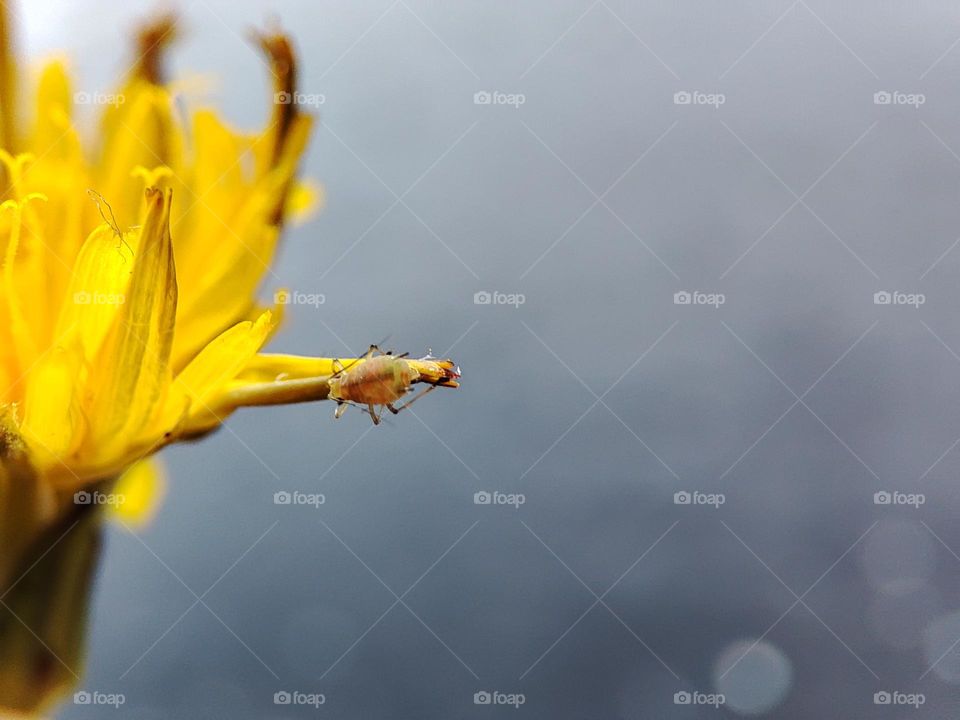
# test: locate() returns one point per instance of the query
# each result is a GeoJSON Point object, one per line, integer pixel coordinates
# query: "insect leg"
{"type": "Point", "coordinates": [373, 414]}
{"type": "Point", "coordinates": [412, 401]}
{"type": "Point", "coordinates": [341, 409]}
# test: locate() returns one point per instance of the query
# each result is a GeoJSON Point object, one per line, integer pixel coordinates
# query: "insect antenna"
{"type": "Point", "coordinates": [344, 368]}
{"type": "Point", "coordinates": [368, 354]}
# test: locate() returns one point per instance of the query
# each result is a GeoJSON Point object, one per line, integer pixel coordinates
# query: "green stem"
{"type": "Point", "coordinates": [46, 577]}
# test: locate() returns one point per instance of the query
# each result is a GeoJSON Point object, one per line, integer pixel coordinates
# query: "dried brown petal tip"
{"type": "Point", "coordinates": [283, 66]}
{"type": "Point", "coordinates": [153, 38]}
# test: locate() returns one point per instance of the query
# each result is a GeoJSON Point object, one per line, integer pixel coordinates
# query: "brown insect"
{"type": "Point", "coordinates": [382, 380]}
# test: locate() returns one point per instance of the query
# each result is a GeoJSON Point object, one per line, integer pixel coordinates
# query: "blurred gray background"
{"type": "Point", "coordinates": [601, 196]}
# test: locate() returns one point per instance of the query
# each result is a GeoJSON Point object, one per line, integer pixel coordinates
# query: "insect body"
{"type": "Point", "coordinates": [383, 380]}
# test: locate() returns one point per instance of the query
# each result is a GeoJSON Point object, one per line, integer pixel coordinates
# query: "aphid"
{"type": "Point", "coordinates": [383, 380]}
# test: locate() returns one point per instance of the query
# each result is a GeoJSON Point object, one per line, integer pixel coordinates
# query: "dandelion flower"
{"type": "Point", "coordinates": [129, 270]}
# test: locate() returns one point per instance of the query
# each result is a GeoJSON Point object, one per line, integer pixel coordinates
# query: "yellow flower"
{"type": "Point", "coordinates": [129, 270]}
{"type": "Point", "coordinates": [128, 317]}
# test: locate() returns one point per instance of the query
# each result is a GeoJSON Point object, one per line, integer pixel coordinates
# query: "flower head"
{"type": "Point", "coordinates": [128, 317]}
{"type": "Point", "coordinates": [129, 270]}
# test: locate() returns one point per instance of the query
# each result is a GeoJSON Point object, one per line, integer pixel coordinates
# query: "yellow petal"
{"type": "Point", "coordinates": [138, 131]}
{"type": "Point", "coordinates": [268, 367]}
{"type": "Point", "coordinates": [140, 491]}
{"type": "Point", "coordinates": [52, 418]}
{"type": "Point", "coordinates": [98, 288]}
{"type": "Point", "coordinates": [23, 275]}
{"type": "Point", "coordinates": [227, 273]}
{"type": "Point", "coordinates": [132, 372]}
{"type": "Point", "coordinates": [221, 360]}
{"type": "Point", "coordinates": [304, 200]}
{"type": "Point", "coordinates": [199, 388]}
{"type": "Point", "coordinates": [53, 112]}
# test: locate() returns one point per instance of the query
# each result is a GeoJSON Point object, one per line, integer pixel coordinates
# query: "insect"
{"type": "Point", "coordinates": [112, 222]}
{"type": "Point", "coordinates": [382, 380]}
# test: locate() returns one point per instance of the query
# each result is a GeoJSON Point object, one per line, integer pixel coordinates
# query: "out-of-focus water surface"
{"type": "Point", "coordinates": [781, 184]}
